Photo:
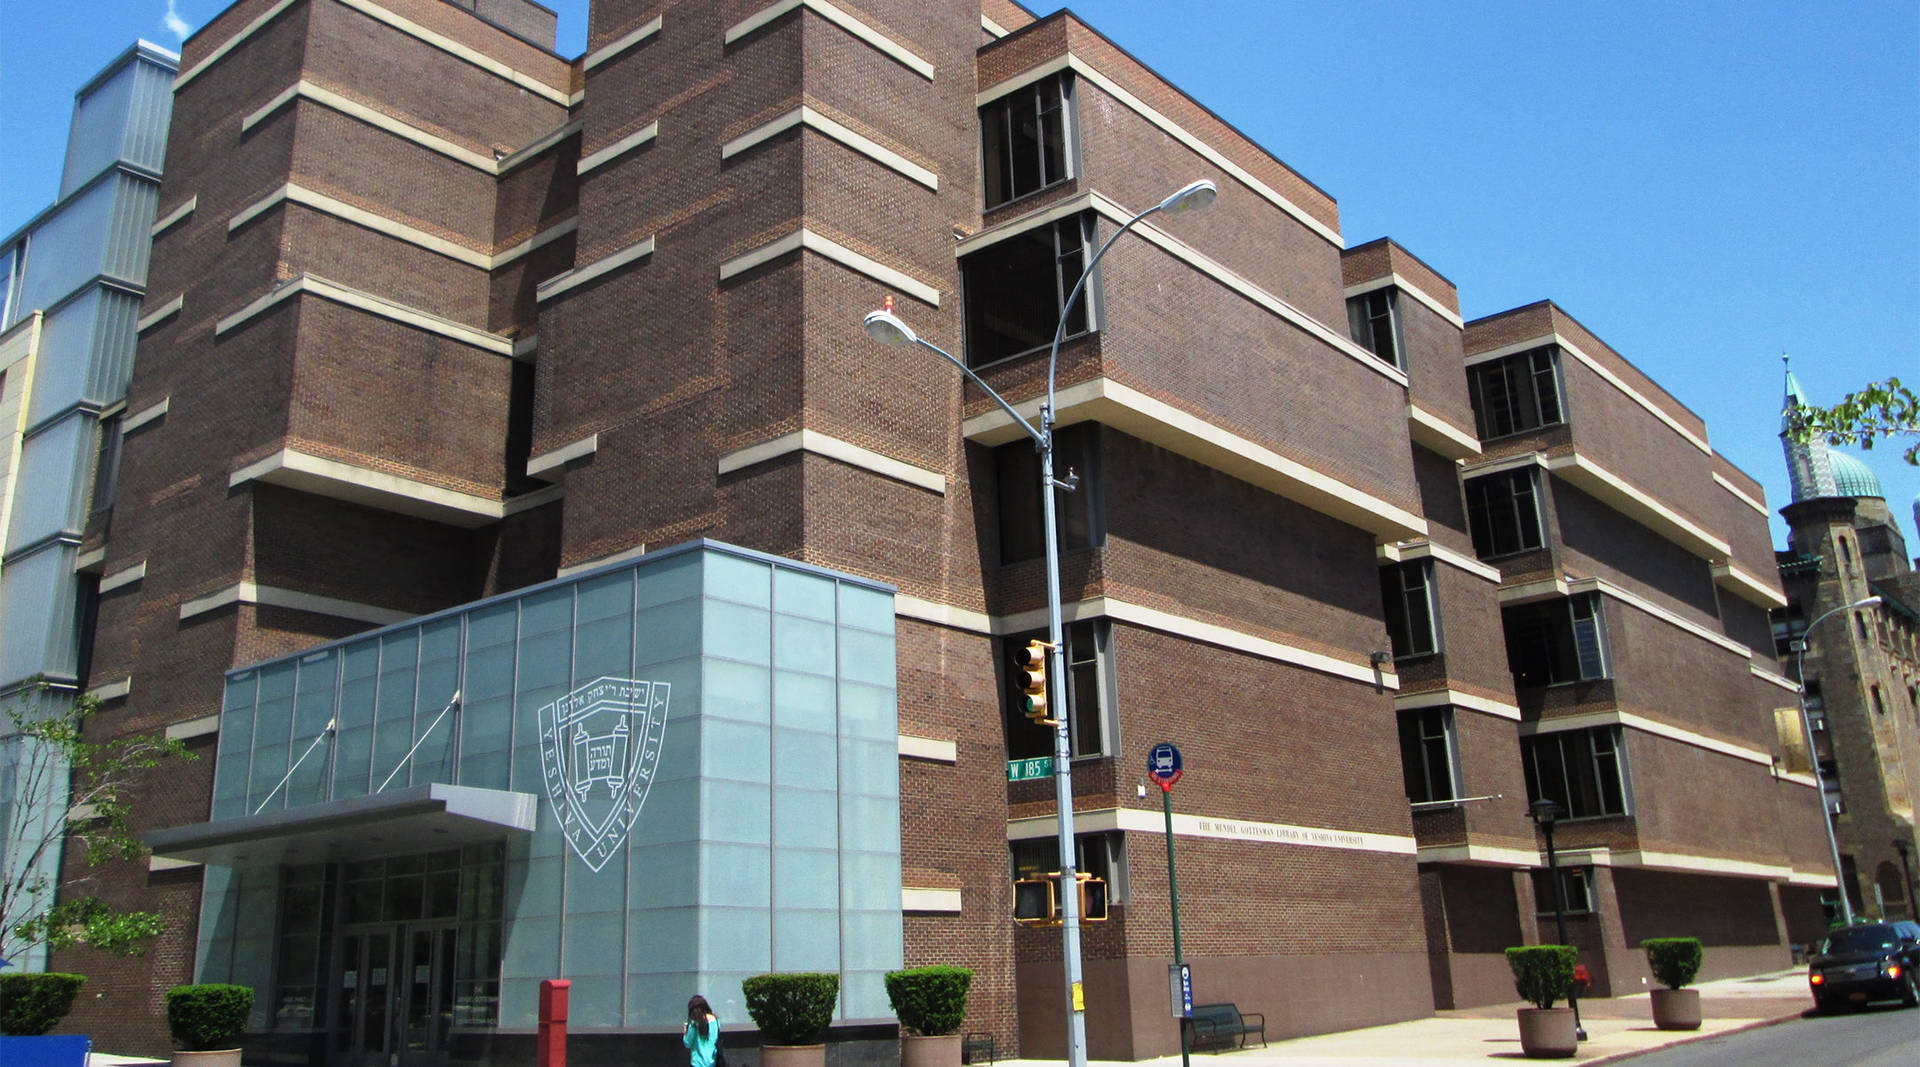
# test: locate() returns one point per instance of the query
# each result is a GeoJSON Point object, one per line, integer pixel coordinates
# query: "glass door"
{"type": "Point", "coordinates": [427, 994]}
{"type": "Point", "coordinates": [362, 1036]}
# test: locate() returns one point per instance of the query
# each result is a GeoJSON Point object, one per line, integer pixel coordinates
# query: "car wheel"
{"type": "Point", "coordinates": [1910, 995]}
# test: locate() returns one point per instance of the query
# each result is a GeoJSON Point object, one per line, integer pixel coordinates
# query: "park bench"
{"type": "Point", "coordinates": [1225, 1025]}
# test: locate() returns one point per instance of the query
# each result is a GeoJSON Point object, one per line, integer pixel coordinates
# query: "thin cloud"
{"type": "Point", "coordinates": [175, 25]}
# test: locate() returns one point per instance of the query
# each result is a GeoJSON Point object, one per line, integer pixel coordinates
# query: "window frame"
{"type": "Point", "coordinates": [1569, 796]}
{"type": "Point", "coordinates": [1398, 600]}
{"type": "Point", "coordinates": [1098, 853]}
{"type": "Point", "coordinates": [1064, 91]}
{"type": "Point", "coordinates": [106, 463]}
{"type": "Point", "coordinates": [1480, 507]}
{"type": "Point", "coordinates": [1420, 729]}
{"type": "Point", "coordinates": [1546, 644]}
{"type": "Point", "coordinates": [1576, 888]}
{"type": "Point", "coordinates": [1080, 514]}
{"type": "Point", "coordinates": [1089, 301]}
{"type": "Point", "coordinates": [1525, 409]}
{"type": "Point", "coordinates": [1363, 320]}
{"type": "Point", "coordinates": [1098, 668]}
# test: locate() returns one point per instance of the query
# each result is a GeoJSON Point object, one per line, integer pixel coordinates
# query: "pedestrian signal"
{"type": "Point", "coordinates": [1033, 900]}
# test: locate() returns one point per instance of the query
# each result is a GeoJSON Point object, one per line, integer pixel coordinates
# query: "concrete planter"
{"type": "Point", "coordinates": [793, 1056]}
{"type": "Point", "coordinates": [1547, 1033]}
{"type": "Point", "coordinates": [940, 1051]}
{"type": "Point", "coordinates": [222, 1057]}
{"type": "Point", "coordinates": [1676, 1009]}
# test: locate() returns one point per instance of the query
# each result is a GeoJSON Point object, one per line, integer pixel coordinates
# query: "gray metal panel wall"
{"type": "Point", "coordinates": [148, 114]}
{"type": "Point", "coordinates": [110, 367]}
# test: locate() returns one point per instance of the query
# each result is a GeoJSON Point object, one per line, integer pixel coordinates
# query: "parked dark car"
{"type": "Point", "coordinates": [1857, 964]}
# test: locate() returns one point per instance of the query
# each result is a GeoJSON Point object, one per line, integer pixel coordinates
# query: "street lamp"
{"type": "Point", "coordinates": [1544, 813]}
{"type": "Point", "coordinates": [1905, 848]}
{"type": "Point", "coordinates": [1813, 757]}
{"type": "Point", "coordinates": [887, 327]}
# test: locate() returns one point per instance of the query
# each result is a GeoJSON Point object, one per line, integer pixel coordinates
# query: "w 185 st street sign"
{"type": "Point", "coordinates": [1020, 770]}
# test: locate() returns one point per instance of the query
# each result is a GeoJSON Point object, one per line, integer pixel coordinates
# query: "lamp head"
{"type": "Point", "coordinates": [886, 327]}
{"type": "Point", "coordinates": [1190, 197]}
{"type": "Point", "coordinates": [1867, 602]}
{"type": "Point", "coordinates": [1544, 811]}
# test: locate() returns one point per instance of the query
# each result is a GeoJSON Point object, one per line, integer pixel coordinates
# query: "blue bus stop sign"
{"type": "Point", "coordinates": [1163, 766]}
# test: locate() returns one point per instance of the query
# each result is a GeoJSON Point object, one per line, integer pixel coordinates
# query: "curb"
{"type": "Point", "coordinates": [1619, 1057]}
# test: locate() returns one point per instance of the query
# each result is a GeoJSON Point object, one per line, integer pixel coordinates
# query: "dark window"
{"type": "Point", "coordinates": [1017, 478]}
{"type": "Point", "coordinates": [1584, 771]}
{"type": "Point", "coordinates": [1412, 615]}
{"type": "Point", "coordinates": [1574, 891]}
{"type": "Point", "coordinates": [1023, 139]}
{"type": "Point", "coordinates": [1518, 393]}
{"type": "Point", "coordinates": [106, 471]}
{"type": "Point", "coordinates": [1100, 855]}
{"type": "Point", "coordinates": [1016, 287]}
{"type": "Point", "coordinates": [1374, 320]}
{"type": "Point", "coordinates": [1504, 511]}
{"type": "Point", "coordinates": [1086, 656]}
{"type": "Point", "coordinates": [1789, 625]}
{"type": "Point", "coordinates": [1556, 641]}
{"type": "Point", "coordinates": [1428, 755]}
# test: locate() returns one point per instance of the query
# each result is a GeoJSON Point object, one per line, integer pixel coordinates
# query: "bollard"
{"type": "Point", "coordinates": [553, 1022]}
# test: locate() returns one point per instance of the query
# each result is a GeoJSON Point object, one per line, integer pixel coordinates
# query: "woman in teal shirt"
{"type": "Point", "coordinates": [702, 1036]}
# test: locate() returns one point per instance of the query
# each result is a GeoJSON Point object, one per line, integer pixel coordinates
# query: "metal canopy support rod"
{"type": "Point", "coordinates": [424, 734]}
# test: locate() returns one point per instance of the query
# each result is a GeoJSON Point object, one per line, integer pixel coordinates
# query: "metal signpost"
{"type": "Point", "coordinates": [1165, 768]}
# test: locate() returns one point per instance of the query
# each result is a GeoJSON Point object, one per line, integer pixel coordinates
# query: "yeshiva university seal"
{"type": "Point", "coordinates": [599, 746]}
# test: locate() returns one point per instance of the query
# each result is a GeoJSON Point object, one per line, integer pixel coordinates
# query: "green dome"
{"type": "Point", "coordinates": [1854, 478]}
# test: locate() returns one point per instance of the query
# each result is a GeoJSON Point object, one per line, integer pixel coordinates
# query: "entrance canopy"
{"type": "Point", "coordinates": [421, 818]}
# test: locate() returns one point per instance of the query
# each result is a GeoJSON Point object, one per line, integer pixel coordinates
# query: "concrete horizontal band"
{"type": "Point", "coordinates": [90, 561]}
{"type": "Point", "coordinates": [306, 90]}
{"type": "Point", "coordinates": [930, 749]}
{"type": "Point", "coordinates": [944, 901]}
{"type": "Point", "coordinates": [1112, 403]}
{"type": "Point", "coordinates": [620, 44]}
{"type": "Point", "coordinates": [335, 480]}
{"type": "Point", "coordinates": [1637, 504]}
{"type": "Point", "coordinates": [1404, 284]}
{"type": "Point", "coordinates": [830, 249]}
{"type": "Point", "coordinates": [579, 276]}
{"type": "Point", "coordinates": [201, 727]}
{"type": "Point", "coordinates": [1773, 679]}
{"type": "Point", "coordinates": [992, 27]}
{"type": "Point", "coordinates": [1728, 575]}
{"type": "Point", "coordinates": [114, 690]}
{"type": "Point", "coordinates": [814, 120]}
{"type": "Point", "coordinates": [880, 42]}
{"type": "Point", "coordinates": [1648, 607]}
{"type": "Point", "coordinates": [272, 596]}
{"type": "Point", "coordinates": [1594, 365]}
{"type": "Point", "coordinates": [174, 217]}
{"type": "Point", "coordinates": [367, 302]}
{"type": "Point", "coordinates": [618, 148]}
{"type": "Point", "coordinates": [834, 448]}
{"type": "Point", "coordinates": [1438, 435]}
{"type": "Point", "coordinates": [1166, 125]}
{"type": "Point", "coordinates": [159, 315]}
{"type": "Point", "coordinates": [359, 216]}
{"type": "Point", "coordinates": [539, 240]}
{"type": "Point", "coordinates": [565, 454]}
{"type": "Point", "coordinates": [1741, 494]}
{"type": "Point", "coordinates": [146, 415]}
{"type": "Point", "coordinates": [1141, 821]}
{"type": "Point", "coordinates": [597, 562]}
{"type": "Point", "coordinates": [1434, 698]}
{"type": "Point", "coordinates": [1409, 550]}
{"type": "Point", "coordinates": [1818, 879]}
{"type": "Point", "coordinates": [1113, 212]}
{"type": "Point", "coordinates": [123, 576]}
{"type": "Point", "coordinates": [1615, 717]}
{"type": "Point", "coordinates": [1796, 777]}
{"type": "Point", "coordinates": [459, 51]}
{"type": "Point", "coordinates": [1474, 855]}
{"type": "Point", "coordinates": [531, 150]}
{"type": "Point", "coordinates": [227, 46]}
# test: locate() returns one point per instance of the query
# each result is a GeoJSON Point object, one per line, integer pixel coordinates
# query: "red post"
{"type": "Point", "coordinates": [553, 1022]}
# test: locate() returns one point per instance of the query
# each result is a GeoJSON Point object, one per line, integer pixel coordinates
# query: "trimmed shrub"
{"type": "Point", "coordinates": [792, 1009]}
{"type": "Point", "coordinates": [208, 1016]}
{"type": "Point", "coordinates": [930, 1001]}
{"type": "Point", "coordinates": [1541, 973]}
{"type": "Point", "coordinates": [32, 1004]}
{"type": "Point", "coordinates": [1674, 960]}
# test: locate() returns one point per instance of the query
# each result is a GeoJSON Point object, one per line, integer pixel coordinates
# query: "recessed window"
{"type": "Point", "coordinates": [1429, 755]}
{"type": "Point", "coordinates": [1015, 289]}
{"type": "Point", "coordinates": [1504, 511]}
{"type": "Point", "coordinates": [1584, 771]}
{"type": "Point", "coordinates": [1554, 642]}
{"type": "Point", "coordinates": [106, 471]}
{"type": "Point", "coordinates": [1017, 479]}
{"type": "Point", "coordinates": [1789, 625]}
{"type": "Point", "coordinates": [1518, 393]}
{"type": "Point", "coordinates": [1087, 654]}
{"type": "Point", "coordinates": [1575, 891]}
{"type": "Point", "coordinates": [1100, 855]}
{"type": "Point", "coordinates": [1374, 320]}
{"type": "Point", "coordinates": [1412, 615]}
{"type": "Point", "coordinates": [1024, 139]}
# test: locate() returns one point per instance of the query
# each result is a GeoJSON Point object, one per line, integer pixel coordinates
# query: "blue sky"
{"type": "Point", "coordinates": [1704, 185]}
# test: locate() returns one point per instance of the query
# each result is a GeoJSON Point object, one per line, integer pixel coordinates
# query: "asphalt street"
{"type": "Point", "coordinates": [1877, 1037]}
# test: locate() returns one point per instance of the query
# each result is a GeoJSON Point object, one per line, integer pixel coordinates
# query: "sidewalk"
{"type": "Point", "coordinates": [1616, 1027]}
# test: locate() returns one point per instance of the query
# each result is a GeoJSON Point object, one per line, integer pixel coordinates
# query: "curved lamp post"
{"type": "Point", "coordinates": [1813, 757]}
{"type": "Point", "coordinates": [1544, 813]}
{"type": "Point", "coordinates": [887, 327]}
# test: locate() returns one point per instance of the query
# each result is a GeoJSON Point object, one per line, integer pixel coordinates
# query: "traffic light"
{"type": "Point", "coordinates": [1032, 663]}
{"type": "Point", "coordinates": [1033, 900]}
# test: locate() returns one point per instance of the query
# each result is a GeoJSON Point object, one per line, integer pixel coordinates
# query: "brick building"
{"type": "Point", "coordinates": [461, 327]}
{"type": "Point", "coordinates": [1862, 667]}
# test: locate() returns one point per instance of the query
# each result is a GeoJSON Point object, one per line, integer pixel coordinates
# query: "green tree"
{"type": "Point", "coordinates": [67, 786]}
{"type": "Point", "coordinates": [1883, 409]}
